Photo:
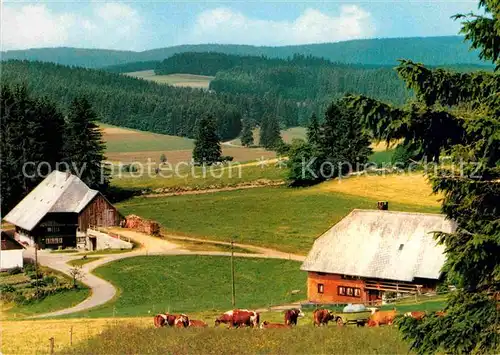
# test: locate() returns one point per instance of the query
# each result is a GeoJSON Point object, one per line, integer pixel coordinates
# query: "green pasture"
{"type": "Point", "coordinates": [152, 284]}
{"type": "Point", "coordinates": [196, 178]}
{"type": "Point", "coordinates": [277, 217]}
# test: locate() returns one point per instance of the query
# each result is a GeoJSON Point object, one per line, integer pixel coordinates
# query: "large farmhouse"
{"type": "Point", "coordinates": [374, 251]}
{"type": "Point", "coordinates": [59, 211]}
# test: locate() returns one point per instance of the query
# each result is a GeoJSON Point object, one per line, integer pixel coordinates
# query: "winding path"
{"type": "Point", "coordinates": [103, 291]}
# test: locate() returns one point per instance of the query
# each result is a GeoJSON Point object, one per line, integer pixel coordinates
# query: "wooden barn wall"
{"type": "Point", "coordinates": [98, 213]}
{"type": "Point", "coordinates": [331, 282]}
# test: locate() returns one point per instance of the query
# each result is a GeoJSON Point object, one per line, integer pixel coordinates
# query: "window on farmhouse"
{"type": "Point", "coordinates": [342, 291]}
{"type": "Point", "coordinates": [350, 291]}
{"type": "Point", "coordinates": [321, 288]}
{"type": "Point", "coordinates": [357, 292]}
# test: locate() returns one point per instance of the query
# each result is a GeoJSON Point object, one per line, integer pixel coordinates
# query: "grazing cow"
{"type": "Point", "coordinates": [164, 319]}
{"type": "Point", "coordinates": [291, 316]}
{"type": "Point", "coordinates": [322, 317]}
{"type": "Point", "coordinates": [181, 321]}
{"type": "Point", "coordinates": [382, 317]}
{"type": "Point", "coordinates": [193, 323]}
{"type": "Point", "coordinates": [167, 319]}
{"type": "Point", "coordinates": [266, 325]}
{"type": "Point", "coordinates": [239, 318]}
{"type": "Point", "coordinates": [417, 315]}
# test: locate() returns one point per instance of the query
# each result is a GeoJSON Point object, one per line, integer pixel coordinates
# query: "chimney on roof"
{"type": "Point", "coordinates": [383, 205]}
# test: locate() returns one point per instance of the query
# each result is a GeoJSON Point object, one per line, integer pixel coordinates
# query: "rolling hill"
{"type": "Point", "coordinates": [430, 50]}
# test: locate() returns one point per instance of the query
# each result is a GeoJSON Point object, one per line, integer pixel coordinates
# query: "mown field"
{"type": "Point", "coordinates": [196, 179]}
{"type": "Point", "coordinates": [137, 335]}
{"type": "Point", "coordinates": [128, 145]}
{"type": "Point", "coordinates": [152, 284]}
{"type": "Point", "coordinates": [185, 80]}
{"type": "Point", "coordinates": [124, 140]}
{"type": "Point", "coordinates": [279, 217]}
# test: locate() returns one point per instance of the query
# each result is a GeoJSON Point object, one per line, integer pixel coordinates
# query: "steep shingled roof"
{"type": "Point", "coordinates": [381, 244]}
{"type": "Point", "coordinates": [58, 192]}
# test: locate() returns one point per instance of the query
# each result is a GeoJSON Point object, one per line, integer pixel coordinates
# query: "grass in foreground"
{"type": "Point", "coordinates": [301, 340]}
{"type": "Point", "coordinates": [282, 218]}
{"type": "Point", "coordinates": [148, 285]}
{"type": "Point", "coordinates": [31, 337]}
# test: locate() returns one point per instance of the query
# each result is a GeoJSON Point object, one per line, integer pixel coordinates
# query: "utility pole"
{"type": "Point", "coordinates": [233, 299]}
{"type": "Point", "coordinates": [36, 266]}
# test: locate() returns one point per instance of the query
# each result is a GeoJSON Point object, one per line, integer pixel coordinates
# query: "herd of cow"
{"type": "Point", "coordinates": [246, 318]}
{"type": "Point", "coordinates": [235, 318]}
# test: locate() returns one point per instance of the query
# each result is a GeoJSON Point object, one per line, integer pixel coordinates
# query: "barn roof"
{"type": "Point", "coordinates": [8, 242]}
{"type": "Point", "coordinates": [58, 192]}
{"type": "Point", "coordinates": [381, 244]}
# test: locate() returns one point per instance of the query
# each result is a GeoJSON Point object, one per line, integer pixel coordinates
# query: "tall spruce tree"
{"type": "Point", "coordinates": [270, 135]}
{"type": "Point", "coordinates": [207, 148]}
{"type": "Point", "coordinates": [246, 133]}
{"type": "Point", "coordinates": [30, 144]}
{"type": "Point", "coordinates": [463, 110]}
{"type": "Point", "coordinates": [314, 130]}
{"type": "Point", "coordinates": [83, 146]}
{"type": "Point", "coordinates": [337, 145]}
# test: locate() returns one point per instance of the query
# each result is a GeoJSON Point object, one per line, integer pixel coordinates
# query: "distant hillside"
{"type": "Point", "coordinates": [429, 50]}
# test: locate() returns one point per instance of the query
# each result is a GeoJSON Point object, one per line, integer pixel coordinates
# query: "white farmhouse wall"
{"type": "Point", "coordinates": [11, 258]}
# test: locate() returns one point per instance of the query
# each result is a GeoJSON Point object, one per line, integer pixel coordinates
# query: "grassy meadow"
{"type": "Point", "coordinates": [184, 80]}
{"type": "Point", "coordinates": [302, 340]}
{"type": "Point", "coordinates": [196, 179]}
{"type": "Point", "coordinates": [152, 284]}
{"type": "Point", "coordinates": [278, 217]}
{"type": "Point", "coordinates": [137, 335]}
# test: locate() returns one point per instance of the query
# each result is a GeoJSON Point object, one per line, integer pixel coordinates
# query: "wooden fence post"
{"type": "Point", "coordinates": [51, 342]}
{"type": "Point", "coordinates": [71, 336]}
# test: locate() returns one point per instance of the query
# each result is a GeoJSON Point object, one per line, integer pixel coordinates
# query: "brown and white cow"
{"type": "Point", "coordinates": [382, 317]}
{"type": "Point", "coordinates": [267, 325]}
{"type": "Point", "coordinates": [194, 323]}
{"type": "Point", "coordinates": [292, 315]}
{"type": "Point", "coordinates": [418, 315]}
{"type": "Point", "coordinates": [322, 317]}
{"type": "Point", "coordinates": [167, 319]}
{"type": "Point", "coordinates": [239, 318]}
{"type": "Point", "coordinates": [181, 321]}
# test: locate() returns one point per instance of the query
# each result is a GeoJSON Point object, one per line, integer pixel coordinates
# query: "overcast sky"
{"type": "Point", "coordinates": [141, 25]}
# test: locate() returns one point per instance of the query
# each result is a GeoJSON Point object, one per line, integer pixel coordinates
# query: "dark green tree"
{"type": "Point", "coordinates": [83, 146]}
{"type": "Point", "coordinates": [314, 131]}
{"type": "Point", "coordinates": [207, 148]}
{"type": "Point", "coordinates": [463, 110]}
{"type": "Point", "coordinates": [30, 145]}
{"type": "Point", "coordinates": [270, 134]}
{"type": "Point", "coordinates": [304, 164]}
{"type": "Point", "coordinates": [340, 146]}
{"type": "Point", "coordinates": [246, 133]}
